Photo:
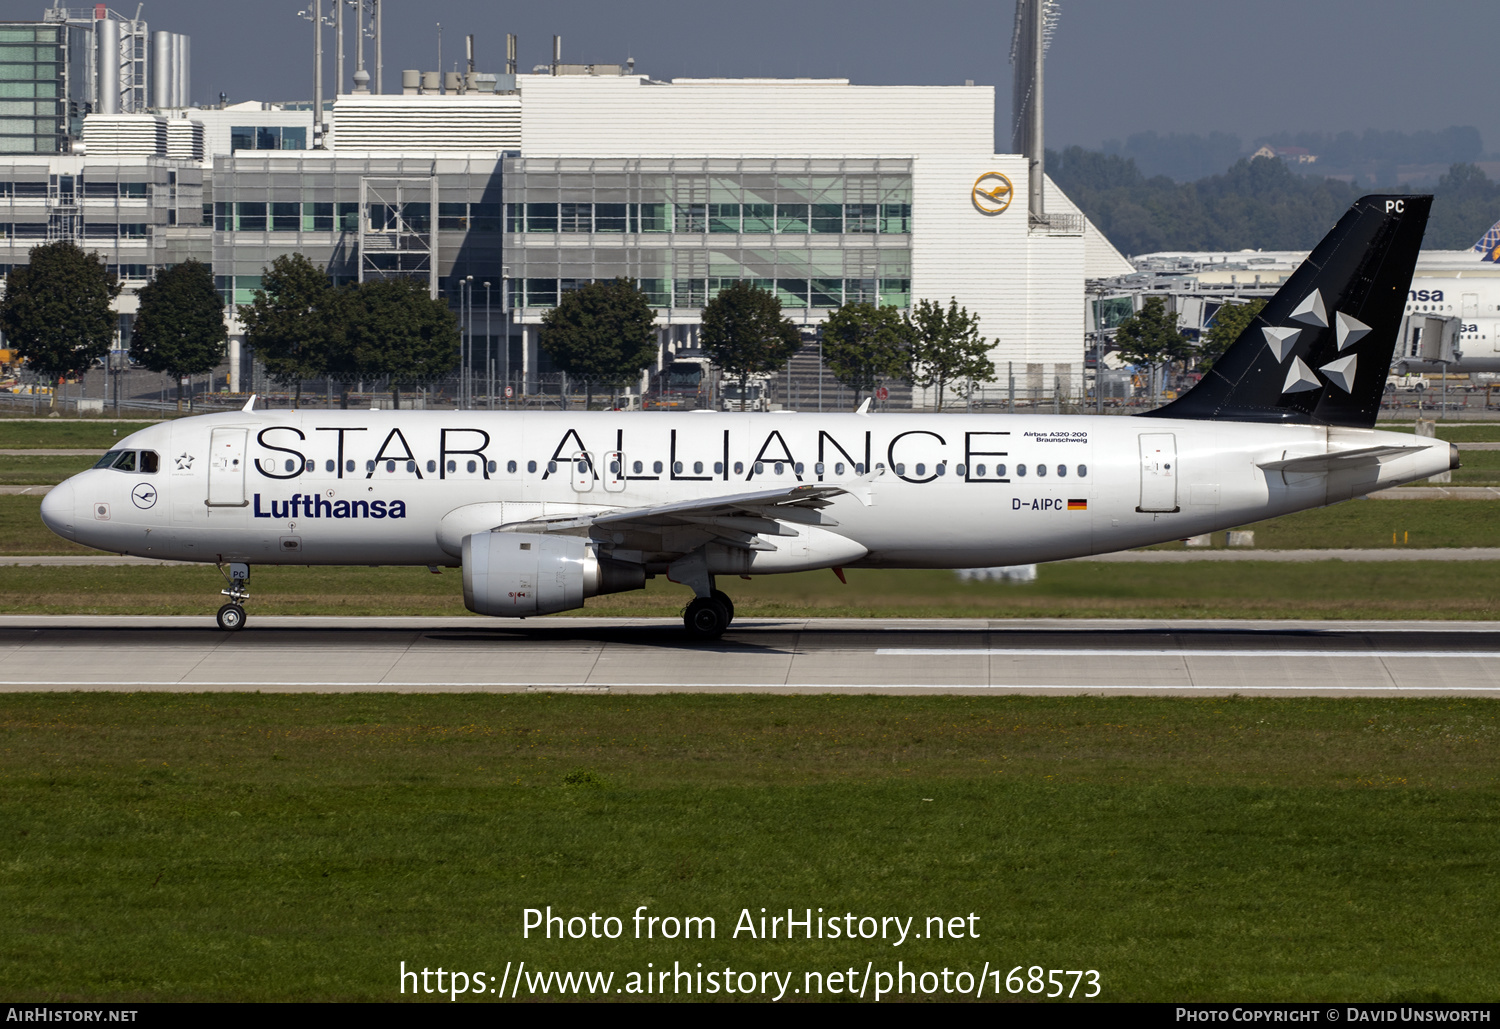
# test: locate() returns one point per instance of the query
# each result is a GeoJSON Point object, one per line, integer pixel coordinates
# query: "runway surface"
{"type": "Point", "coordinates": [966, 657]}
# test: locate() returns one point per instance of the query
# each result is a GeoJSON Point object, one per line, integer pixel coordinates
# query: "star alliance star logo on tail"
{"type": "Point", "coordinates": [1282, 340]}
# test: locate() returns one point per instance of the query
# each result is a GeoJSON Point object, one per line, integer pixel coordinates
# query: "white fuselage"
{"type": "Point", "coordinates": [923, 491]}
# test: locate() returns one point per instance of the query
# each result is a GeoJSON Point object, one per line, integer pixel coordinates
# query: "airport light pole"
{"type": "Point", "coordinates": [489, 356]}
{"type": "Point", "coordinates": [469, 335]}
{"type": "Point", "coordinates": [314, 14]}
{"type": "Point", "coordinates": [505, 352]}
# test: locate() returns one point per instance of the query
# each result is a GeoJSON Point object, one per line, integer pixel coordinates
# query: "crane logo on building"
{"type": "Point", "coordinates": [992, 193]}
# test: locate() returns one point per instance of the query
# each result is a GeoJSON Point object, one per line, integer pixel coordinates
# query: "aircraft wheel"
{"type": "Point", "coordinates": [705, 618]}
{"type": "Point", "coordinates": [723, 598]}
{"type": "Point", "coordinates": [231, 617]}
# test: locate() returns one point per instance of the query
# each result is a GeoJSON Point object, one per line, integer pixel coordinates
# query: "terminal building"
{"type": "Point", "coordinates": [505, 191]}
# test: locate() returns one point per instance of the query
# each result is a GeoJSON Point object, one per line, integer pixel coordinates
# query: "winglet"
{"type": "Point", "coordinates": [249, 404]}
{"type": "Point", "coordinates": [864, 407]}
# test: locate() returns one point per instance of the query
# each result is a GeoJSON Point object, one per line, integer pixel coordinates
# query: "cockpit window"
{"type": "Point", "coordinates": [150, 462]}
{"type": "Point", "coordinates": [108, 460]}
{"type": "Point", "coordinates": [126, 461]}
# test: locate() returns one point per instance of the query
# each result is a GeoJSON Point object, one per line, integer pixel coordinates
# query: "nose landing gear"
{"type": "Point", "coordinates": [232, 615]}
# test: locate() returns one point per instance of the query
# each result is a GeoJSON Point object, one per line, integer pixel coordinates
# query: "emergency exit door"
{"type": "Point", "coordinates": [226, 468]}
{"type": "Point", "coordinates": [1158, 472]}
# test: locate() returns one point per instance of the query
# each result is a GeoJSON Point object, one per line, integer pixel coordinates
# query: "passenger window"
{"type": "Point", "coordinates": [718, 467]}
{"type": "Point", "coordinates": [638, 467]}
{"type": "Point", "coordinates": [1000, 471]}
{"type": "Point", "coordinates": [1041, 470]}
{"type": "Point", "coordinates": [676, 467]}
{"type": "Point", "coordinates": [921, 468]}
{"type": "Point", "coordinates": [780, 467]}
{"type": "Point", "coordinates": [432, 466]}
{"type": "Point", "coordinates": [510, 466]}
{"type": "Point", "coordinates": [1021, 470]}
{"type": "Point", "coordinates": [369, 466]}
{"type": "Point", "coordinates": [291, 465]}
{"type": "Point", "coordinates": [1083, 470]}
{"type": "Point", "coordinates": [1062, 471]}
{"type": "Point", "coordinates": [838, 468]}
{"type": "Point", "coordinates": [739, 468]}
{"type": "Point", "coordinates": [150, 462]}
{"type": "Point", "coordinates": [697, 467]}
{"type": "Point", "coordinates": [108, 460]}
{"type": "Point", "coordinates": [349, 466]}
{"type": "Point", "coordinates": [531, 466]}
{"type": "Point", "coordinates": [900, 468]}
{"type": "Point", "coordinates": [614, 468]}
{"type": "Point", "coordinates": [126, 461]}
{"type": "Point", "coordinates": [473, 466]}
{"type": "Point", "coordinates": [329, 466]}
{"type": "Point", "coordinates": [859, 468]}
{"type": "Point", "coordinates": [453, 466]}
{"type": "Point", "coordinates": [311, 465]}
{"type": "Point", "coordinates": [656, 467]}
{"type": "Point", "coordinates": [959, 470]}
{"type": "Point", "coordinates": [978, 470]}
{"type": "Point", "coordinates": [491, 466]}
{"type": "Point", "coordinates": [760, 468]}
{"type": "Point", "coordinates": [941, 469]}
{"type": "Point", "coordinates": [411, 466]}
{"type": "Point", "coordinates": [583, 467]}
{"type": "Point", "coordinates": [551, 467]}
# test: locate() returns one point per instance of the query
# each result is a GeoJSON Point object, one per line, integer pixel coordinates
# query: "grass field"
{"type": "Point", "coordinates": [157, 847]}
{"type": "Point", "coordinates": [1321, 589]}
{"type": "Point", "coordinates": [65, 433]}
{"type": "Point", "coordinates": [41, 469]}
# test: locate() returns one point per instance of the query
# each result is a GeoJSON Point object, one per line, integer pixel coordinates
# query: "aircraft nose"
{"type": "Point", "coordinates": [57, 510]}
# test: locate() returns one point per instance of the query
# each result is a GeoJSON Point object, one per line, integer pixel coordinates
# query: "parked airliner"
{"type": "Point", "coordinates": [542, 510]}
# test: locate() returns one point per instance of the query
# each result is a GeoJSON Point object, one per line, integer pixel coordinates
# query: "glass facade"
{"type": "Point", "coordinates": [33, 97]}
{"type": "Point", "coordinates": [266, 206]}
{"type": "Point", "coordinates": [820, 234]}
{"type": "Point", "coordinates": [268, 137]}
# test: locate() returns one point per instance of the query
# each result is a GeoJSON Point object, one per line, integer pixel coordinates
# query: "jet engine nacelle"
{"type": "Point", "coordinates": [517, 574]}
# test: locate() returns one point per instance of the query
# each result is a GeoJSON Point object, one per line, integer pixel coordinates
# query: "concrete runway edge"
{"type": "Point", "coordinates": [902, 656]}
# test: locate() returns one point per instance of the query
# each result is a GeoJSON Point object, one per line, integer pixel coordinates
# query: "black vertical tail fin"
{"type": "Point", "coordinates": [1320, 350]}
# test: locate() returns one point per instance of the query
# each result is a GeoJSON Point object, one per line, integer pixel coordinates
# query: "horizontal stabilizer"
{"type": "Point", "coordinates": [1328, 462]}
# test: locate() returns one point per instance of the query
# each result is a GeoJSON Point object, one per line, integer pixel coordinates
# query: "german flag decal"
{"type": "Point", "coordinates": [1078, 505]}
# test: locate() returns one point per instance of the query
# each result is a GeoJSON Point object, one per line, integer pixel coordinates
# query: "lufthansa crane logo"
{"type": "Point", "coordinates": [144, 496]}
{"type": "Point", "coordinates": [992, 193]}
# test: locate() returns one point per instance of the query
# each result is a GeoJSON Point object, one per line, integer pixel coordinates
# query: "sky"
{"type": "Point", "coordinates": [1250, 68]}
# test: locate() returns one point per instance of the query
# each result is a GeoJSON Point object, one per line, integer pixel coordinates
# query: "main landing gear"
{"type": "Point", "coordinates": [231, 616]}
{"type": "Point", "coordinates": [706, 618]}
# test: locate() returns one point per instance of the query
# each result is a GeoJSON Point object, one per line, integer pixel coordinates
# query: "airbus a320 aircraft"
{"type": "Point", "coordinates": [545, 509]}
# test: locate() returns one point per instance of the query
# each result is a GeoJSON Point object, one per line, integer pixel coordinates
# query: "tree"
{"type": "Point", "coordinates": [745, 334]}
{"type": "Point", "coordinates": [603, 333]}
{"type": "Point", "coordinates": [395, 330]}
{"type": "Point", "coordinates": [946, 348]}
{"type": "Point", "coordinates": [293, 322]}
{"type": "Point", "coordinates": [179, 328]}
{"type": "Point", "coordinates": [56, 310]}
{"type": "Point", "coordinates": [1150, 336]}
{"type": "Point", "coordinates": [863, 344]}
{"type": "Point", "coordinates": [1229, 322]}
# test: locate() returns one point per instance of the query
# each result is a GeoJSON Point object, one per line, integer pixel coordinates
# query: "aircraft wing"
{"type": "Point", "coordinates": [666, 530]}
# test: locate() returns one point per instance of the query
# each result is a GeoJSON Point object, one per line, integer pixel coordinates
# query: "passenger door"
{"type": "Point", "coordinates": [1158, 472]}
{"type": "Point", "coordinates": [226, 468]}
